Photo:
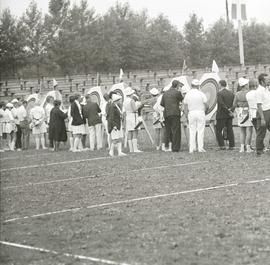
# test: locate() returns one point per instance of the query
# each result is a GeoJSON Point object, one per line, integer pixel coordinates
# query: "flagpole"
{"type": "Point", "coordinates": [227, 11]}
{"type": "Point", "coordinates": [240, 35]}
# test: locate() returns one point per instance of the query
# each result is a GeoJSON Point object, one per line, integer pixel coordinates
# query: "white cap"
{"type": "Point", "coordinates": [242, 81]}
{"type": "Point", "coordinates": [154, 91]}
{"type": "Point", "coordinates": [195, 82]}
{"type": "Point", "coordinates": [9, 105]}
{"type": "Point", "coordinates": [83, 102]}
{"type": "Point", "coordinates": [14, 101]}
{"type": "Point", "coordinates": [129, 91]}
{"type": "Point", "coordinates": [116, 97]}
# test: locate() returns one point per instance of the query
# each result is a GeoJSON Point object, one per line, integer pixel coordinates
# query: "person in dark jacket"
{"type": "Point", "coordinates": [57, 127]}
{"type": "Point", "coordinates": [171, 103]}
{"type": "Point", "coordinates": [78, 123]}
{"type": "Point", "coordinates": [114, 118]}
{"type": "Point", "coordinates": [92, 113]}
{"type": "Point", "coordinates": [224, 115]}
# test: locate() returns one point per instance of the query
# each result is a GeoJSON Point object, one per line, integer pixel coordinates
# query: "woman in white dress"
{"type": "Point", "coordinates": [132, 119]}
{"type": "Point", "coordinates": [9, 127]}
{"type": "Point", "coordinates": [38, 124]}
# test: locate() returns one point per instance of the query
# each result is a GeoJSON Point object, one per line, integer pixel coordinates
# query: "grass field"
{"type": "Point", "coordinates": [150, 208]}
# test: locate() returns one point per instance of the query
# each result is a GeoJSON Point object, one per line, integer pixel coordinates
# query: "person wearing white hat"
{"type": "Point", "coordinates": [131, 119]}
{"type": "Point", "coordinates": [114, 118]}
{"type": "Point", "coordinates": [195, 105]}
{"type": "Point", "coordinates": [18, 143]}
{"type": "Point", "coordinates": [38, 125]}
{"type": "Point", "coordinates": [10, 126]}
{"type": "Point", "coordinates": [158, 118]}
{"type": "Point", "coordinates": [240, 105]}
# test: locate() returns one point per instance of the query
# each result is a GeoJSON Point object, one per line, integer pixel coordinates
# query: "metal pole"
{"type": "Point", "coordinates": [241, 44]}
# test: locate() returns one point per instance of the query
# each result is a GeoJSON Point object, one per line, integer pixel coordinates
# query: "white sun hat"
{"type": "Point", "coordinates": [116, 97]}
{"type": "Point", "coordinates": [129, 91]}
{"type": "Point", "coordinates": [13, 101]}
{"type": "Point", "coordinates": [154, 91]}
{"type": "Point", "coordinates": [9, 105]}
{"type": "Point", "coordinates": [242, 81]}
{"type": "Point", "coordinates": [195, 82]}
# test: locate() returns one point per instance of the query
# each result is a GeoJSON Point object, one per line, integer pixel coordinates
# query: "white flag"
{"type": "Point", "coordinates": [121, 74]}
{"type": "Point", "coordinates": [215, 68]}
{"type": "Point", "coordinates": [54, 82]}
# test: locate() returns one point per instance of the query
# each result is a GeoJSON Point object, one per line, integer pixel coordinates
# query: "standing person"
{"type": "Point", "coordinates": [78, 123]}
{"type": "Point", "coordinates": [2, 114]}
{"type": "Point", "coordinates": [158, 118]}
{"type": "Point", "coordinates": [57, 127]}
{"type": "Point", "coordinates": [18, 143]}
{"type": "Point", "coordinates": [241, 105]}
{"type": "Point", "coordinates": [251, 97]}
{"type": "Point", "coordinates": [103, 108]}
{"type": "Point", "coordinates": [132, 119]}
{"type": "Point", "coordinates": [24, 125]}
{"type": "Point", "coordinates": [114, 117]}
{"type": "Point", "coordinates": [83, 102]}
{"type": "Point", "coordinates": [38, 124]}
{"type": "Point", "coordinates": [171, 102]}
{"type": "Point", "coordinates": [70, 127]}
{"type": "Point", "coordinates": [224, 116]}
{"type": "Point", "coordinates": [263, 113]}
{"type": "Point", "coordinates": [49, 106]}
{"type": "Point", "coordinates": [195, 105]}
{"type": "Point", "coordinates": [92, 113]}
{"type": "Point", "coordinates": [10, 126]}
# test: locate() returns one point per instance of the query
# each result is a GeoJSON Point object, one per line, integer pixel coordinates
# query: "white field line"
{"type": "Point", "coordinates": [103, 174]}
{"type": "Point", "coordinates": [44, 250]}
{"type": "Point", "coordinates": [137, 199]}
{"type": "Point", "coordinates": [57, 163]}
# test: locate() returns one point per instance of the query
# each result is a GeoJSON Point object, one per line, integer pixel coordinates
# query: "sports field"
{"type": "Point", "coordinates": [150, 208]}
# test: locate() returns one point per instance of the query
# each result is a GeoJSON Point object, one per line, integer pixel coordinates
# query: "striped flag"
{"type": "Point", "coordinates": [239, 11]}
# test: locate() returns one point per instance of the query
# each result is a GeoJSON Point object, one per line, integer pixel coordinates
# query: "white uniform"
{"type": "Point", "coordinates": [9, 122]}
{"type": "Point", "coordinates": [2, 114]}
{"type": "Point", "coordinates": [131, 114]}
{"type": "Point", "coordinates": [37, 116]}
{"type": "Point", "coordinates": [195, 100]}
{"type": "Point", "coordinates": [251, 97]}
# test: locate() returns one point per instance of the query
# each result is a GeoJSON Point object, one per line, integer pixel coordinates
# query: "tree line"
{"type": "Point", "coordinates": [77, 40]}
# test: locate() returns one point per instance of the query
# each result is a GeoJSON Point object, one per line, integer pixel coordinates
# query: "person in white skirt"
{"type": "Point", "coordinates": [2, 113]}
{"type": "Point", "coordinates": [132, 119]}
{"type": "Point", "coordinates": [38, 124]}
{"type": "Point", "coordinates": [240, 104]}
{"type": "Point", "coordinates": [78, 124]}
{"type": "Point", "coordinates": [114, 118]}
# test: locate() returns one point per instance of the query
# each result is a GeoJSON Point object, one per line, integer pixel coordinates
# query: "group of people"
{"type": "Point", "coordinates": [119, 121]}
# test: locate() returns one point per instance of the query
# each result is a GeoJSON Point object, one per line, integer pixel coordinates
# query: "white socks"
{"type": "Point", "coordinates": [130, 145]}
{"type": "Point", "coordinates": [135, 146]}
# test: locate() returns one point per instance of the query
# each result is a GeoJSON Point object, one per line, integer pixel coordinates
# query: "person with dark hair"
{"type": "Point", "coordinates": [2, 113]}
{"type": "Point", "coordinates": [24, 121]}
{"type": "Point", "coordinates": [171, 100]}
{"type": "Point", "coordinates": [251, 97]}
{"type": "Point", "coordinates": [224, 116]}
{"type": "Point", "coordinates": [78, 123]}
{"type": "Point", "coordinates": [48, 107]}
{"type": "Point", "coordinates": [92, 112]}
{"type": "Point", "coordinates": [263, 112]}
{"type": "Point", "coordinates": [57, 127]}
{"type": "Point", "coordinates": [70, 127]}
{"type": "Point", "coordinates": [103, 108]}
{"type": "Point", "coordinates": [241, 105]}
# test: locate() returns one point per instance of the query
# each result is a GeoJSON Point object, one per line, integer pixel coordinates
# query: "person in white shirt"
{"type": "Point", "coordinates": [195, 105]}
{"type": "Point", "coordinates": [48, 107]}
{"type": "Point", "coordinates": [251, 97]}
{"type": "Point", "coordinates": [10, 126]}
{"type": "Point", "coordinates": [16, 104]}
{"type": "Point", "coordinates": [263, 112]}
{"type": "Point", "coordinates": [24, 125]}
{"type": "Point", "coordinates": [38, 125]}
{"type": "Point", "coordinates": [2, 113]}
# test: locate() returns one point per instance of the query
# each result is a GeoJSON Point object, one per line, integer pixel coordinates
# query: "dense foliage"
{"type": "Point", "coordinates": [75, 39]}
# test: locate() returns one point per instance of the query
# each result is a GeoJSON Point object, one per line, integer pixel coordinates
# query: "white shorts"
{"type": "Point", "coordinates": [78, 129]}
{"type": "Point", "coordinates": [117, 134]}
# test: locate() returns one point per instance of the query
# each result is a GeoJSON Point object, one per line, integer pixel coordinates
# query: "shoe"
{"type": "Point", "coordinates": [122, 154]}
{"type": "Point", "coordinates": [19, 149]}
{"type": "Point", "coordinates": [137, 151]}
{"type": "Point", "coordinates": [222, 148]}
{"type": "Point", "coordinates": [201, 151]}
{"type": "Point", "coordinates": [231, 148]}
{"type": "Point", "coordinates": [44, 148]}
{"type": "Point", "coordinates": [259, 153]}
{"type": "Point", "coordinates": [76, 150]}
{"type": "Point", "coordinates": [111, 153]}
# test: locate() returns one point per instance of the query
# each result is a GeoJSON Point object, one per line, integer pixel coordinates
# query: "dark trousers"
{"type": "Point", "coordinates": [173, 129]}
{"type": "Point", "coordinates": [261, 131]}
{"type": "Point", "coordinates": [18, 143]}
{"type": "Point", "coordinates": [220, 125]}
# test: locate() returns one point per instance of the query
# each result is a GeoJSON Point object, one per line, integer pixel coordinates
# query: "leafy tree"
{"type": "Point", "coordinates": [195, 41]}
{"type": "Point", "coordinates": [11, 44]}
{"type": "Point", "coordinates": [32, 23]}
{"type": "Point", "coordinates": [222, 43]}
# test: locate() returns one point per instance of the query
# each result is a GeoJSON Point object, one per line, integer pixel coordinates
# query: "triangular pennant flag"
{"type": "Point", "coordinates": [184, 68]}
{"type": "Point", "coordinates": [54, 82]}
{"type": "Point", "coordinates": [215, 68]}
{"type": "Point", "coordinates": [121, 74]}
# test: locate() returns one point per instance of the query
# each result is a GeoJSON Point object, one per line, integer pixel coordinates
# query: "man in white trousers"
{"type": "Point", "coordinates": [195, 105]}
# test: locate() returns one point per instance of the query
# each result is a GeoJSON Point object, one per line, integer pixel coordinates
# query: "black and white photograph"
{"type": "Point", "coordinates": [134, 132]}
